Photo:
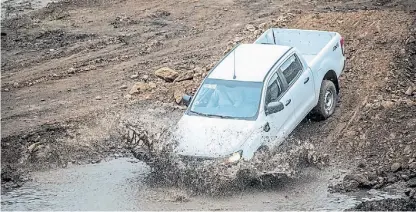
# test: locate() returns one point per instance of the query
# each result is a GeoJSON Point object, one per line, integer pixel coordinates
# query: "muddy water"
{"type": "Point", "coordinates": [11, 8]}
{"type": "Point", "coordinates": [119, 185]}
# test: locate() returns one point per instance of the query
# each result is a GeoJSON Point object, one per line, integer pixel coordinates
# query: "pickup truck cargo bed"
{"type": "Point", "coordinates": [309, 43]}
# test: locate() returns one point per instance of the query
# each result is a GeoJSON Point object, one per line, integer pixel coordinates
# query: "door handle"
{"type": "Point", "coordinates": [266, 127]}
{"type": "Point", "coordinates": [306, 80]}
{"type": "Point", "coordinates": [288, 102]}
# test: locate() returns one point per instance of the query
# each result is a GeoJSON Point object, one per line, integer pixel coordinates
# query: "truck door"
{"type": "Point", "coordinates": [275, 127]}
{"type": "Point", "coordinates": [300, 85]}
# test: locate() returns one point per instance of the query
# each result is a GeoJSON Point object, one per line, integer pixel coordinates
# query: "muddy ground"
{"type": "Point", "coordinates": [68, 69]}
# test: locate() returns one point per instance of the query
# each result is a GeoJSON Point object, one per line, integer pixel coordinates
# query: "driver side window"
{"type": "Point", "coordinates": [274, 89]}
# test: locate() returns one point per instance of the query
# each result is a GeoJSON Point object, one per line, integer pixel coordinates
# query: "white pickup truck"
{"type": "Point", "coordinates": [258, 93]}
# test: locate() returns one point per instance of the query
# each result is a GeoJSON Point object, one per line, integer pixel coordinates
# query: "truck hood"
{"type": "Point", "coordinates": [210, 136]}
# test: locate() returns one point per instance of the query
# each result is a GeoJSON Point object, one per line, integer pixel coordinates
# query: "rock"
{"type": "Point", "coordinates": [98, 98]}
{"type": "Point", "coordinates": [145, 77]}
{"type": "Point", "coordinates": [361, 180]}
{"type": "Point", "coordinates": [412, 193]}
{"type": "Point", "coordinates": [361, 165]}
{"type": "Point", "coordinates": [41, 153]}
{"type": "Point", "coordinates": [392, 179]}
{"type": "Point", "coordinates": [71, 70]}
{"type": "Point", "coordinates": [134, 76]}
{"type": "Point", "coordinates": [178, 94]}
{"type": "Point", "coordinates": [33, 146]}
{"type": "Point", "coordinates": [15, 84]}
{"type": "Point", "coordinates": [411, 39]}
{"type": "Point", "coordinates": [412, 166]}
{"type": "Point", "coordinates": [123, 87]}
{"type": "Point", "coordinates": [250, 27]}
{"type": "Point", "coordinates": [407, 150]}
{"type": "Point", "coordinates": [409, 91]}
{"type": "Point", "coordinates": [350, 185]}
{"type": "Point", "coordinates": [237, 39]}
{"type": "Point", "coordinates": [257, 32]}
{"type": "Point", "coordinates": [187, 75]}
{"type": "Point", "coordinates": [387, 104]}
{"type": "Point", "coordinates": [351, 133]}
{"type": "Point", "coordinates": [166, 74]}
{"type": "Point", "coordinates": [395, 167]}
{"type": "Point", "coordinates": [197, 75]}
{"type": "Point", "coordinates": [95, 161]}
{"type": "Point", "coordinates": [152, 85]}
{"type": "Point", "coordinates": [139, 87]}
{"type": "Point", "coordinates": [412, 182]}
{"type": "Point", "coordinates": [263, 25]}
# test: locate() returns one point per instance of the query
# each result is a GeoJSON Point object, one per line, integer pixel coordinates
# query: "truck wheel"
{"type": "Point", "coordinates": [327, 100]}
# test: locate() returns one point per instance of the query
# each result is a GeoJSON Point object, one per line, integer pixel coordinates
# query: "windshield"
{"type": "Point", "coordinates": [228, 99]}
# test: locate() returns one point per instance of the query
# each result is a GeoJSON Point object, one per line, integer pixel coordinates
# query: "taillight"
{"type": "Point", "coordinates": [342, 45]}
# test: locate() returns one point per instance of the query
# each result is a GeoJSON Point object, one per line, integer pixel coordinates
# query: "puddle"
{"type": "Point", "coordinates": [12, 8]}
{"type": "Point", "coordinates": [119, 185]}
{"type": "Point", "coordinates": [103, 186]}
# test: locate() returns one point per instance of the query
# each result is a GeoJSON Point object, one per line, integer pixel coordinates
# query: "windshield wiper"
{"type": "Point", "coordinates": [198, 113]}
{"type": "Point", "coordinates": [211, 115]}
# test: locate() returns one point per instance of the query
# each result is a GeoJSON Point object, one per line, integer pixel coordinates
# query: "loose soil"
{"type": "Point", "coordinates": [67, 69]}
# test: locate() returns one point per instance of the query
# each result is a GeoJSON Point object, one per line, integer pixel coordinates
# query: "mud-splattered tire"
{"type": "Point", "coordinates": [327, 101]}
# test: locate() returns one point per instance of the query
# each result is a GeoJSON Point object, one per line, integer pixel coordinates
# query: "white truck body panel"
{"type": "Point", "coordinates": [319, 53]}
{"type": "Point", "coordinates": [251, 62]}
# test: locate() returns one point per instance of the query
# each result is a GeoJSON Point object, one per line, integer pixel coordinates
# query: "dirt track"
{"type": "Point", "coordinates": [65, 68]}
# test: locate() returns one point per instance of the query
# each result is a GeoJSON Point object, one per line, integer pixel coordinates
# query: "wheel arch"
{"type": "Point", "coordinates": [332, 76]}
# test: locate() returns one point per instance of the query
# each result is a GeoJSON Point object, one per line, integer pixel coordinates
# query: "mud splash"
{"type": "Point", "coordinates": [215, 176]}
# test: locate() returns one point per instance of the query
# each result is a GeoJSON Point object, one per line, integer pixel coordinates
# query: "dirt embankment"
{"type": "Point", "coordinates": [384, 138]}
{"type": "Point", "coordinates": [67, 71]}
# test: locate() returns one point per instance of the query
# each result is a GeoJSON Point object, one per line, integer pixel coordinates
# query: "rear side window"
{"type": "Point", "coordinates": [291, 68]}
{"type": "Point", "coordinates": [274, 89]}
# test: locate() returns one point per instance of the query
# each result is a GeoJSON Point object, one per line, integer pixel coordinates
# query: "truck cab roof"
{"type": "Point", "coordinates": [249, 62]}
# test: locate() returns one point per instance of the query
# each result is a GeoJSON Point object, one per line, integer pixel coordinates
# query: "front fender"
{"type": "Point", "coordinates": [252, 144]}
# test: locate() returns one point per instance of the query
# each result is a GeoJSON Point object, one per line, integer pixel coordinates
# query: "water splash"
{"type": "Point", "coordinates": [215, 176]}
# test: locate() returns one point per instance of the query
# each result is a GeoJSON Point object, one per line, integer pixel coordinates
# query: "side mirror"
{"type": "Point", "coordinates": [186, 99]}
{"type": "Point", "coordinates": [274, 107]}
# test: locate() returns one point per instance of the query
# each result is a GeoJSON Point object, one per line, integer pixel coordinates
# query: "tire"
{"type": "Point", "coordinates": [327, 101]}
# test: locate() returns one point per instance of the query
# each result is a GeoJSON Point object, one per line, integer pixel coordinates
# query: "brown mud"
{"type": "Point", "coordinates": [67, 69]}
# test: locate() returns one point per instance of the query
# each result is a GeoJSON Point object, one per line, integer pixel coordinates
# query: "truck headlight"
{"type": "Point", "coordinates": [235, 157]}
